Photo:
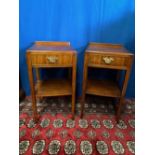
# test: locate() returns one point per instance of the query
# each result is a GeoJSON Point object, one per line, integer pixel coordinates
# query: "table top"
{"type": "Point", "coordinates": [107, 48]}
{"type": "Point", "coordinates": [51, 47]}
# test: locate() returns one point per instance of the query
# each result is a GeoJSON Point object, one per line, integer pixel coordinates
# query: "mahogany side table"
{"type": "Point", "coordinates": [108, 56]}
{"type": "Point", "coordinates": [51, 55]}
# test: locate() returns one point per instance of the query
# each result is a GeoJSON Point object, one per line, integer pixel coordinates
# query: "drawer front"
{"type": "Point", "coordinates": [49, 60]}
{"type": "Point", "coordinates": [108, 61]}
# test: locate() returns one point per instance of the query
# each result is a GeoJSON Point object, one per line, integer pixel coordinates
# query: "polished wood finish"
{"type": "Point", "coordinates": [51, 55]}
{"type": "Point", "coordinates": [53, 43]}
{"type": "Point", "coordinates": [108, 56]}
{"type": "Point", "coordinates": [53, 88]}
{"type": "Point", "coordinates": [97, 60]}
{"type": "Point", "coordinates": [74, 84]}
{"type": "Point", "coordinates": [31, 79]}
{"type": "Point", "coordinates": [61, 60]}
{"type": "Point", "coordinates": [103, 88]}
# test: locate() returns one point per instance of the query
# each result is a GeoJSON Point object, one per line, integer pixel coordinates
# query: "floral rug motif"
{"type": "Point", "coordinates": [56, 133]}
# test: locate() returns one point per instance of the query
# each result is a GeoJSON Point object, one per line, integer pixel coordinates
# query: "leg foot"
{"type": "Point", "coordinates": [73, 117]}
{"type": "Point", "coordinates": [81, 115]}
{"type": "Point", "coordinates": [119, 108]}
{"type": "Point", "coordinates": [82, 108]}
{"type": "Point", "coordinates": [36, 118]}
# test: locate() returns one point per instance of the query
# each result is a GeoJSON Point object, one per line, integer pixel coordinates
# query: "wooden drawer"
{"type": "Point", "coordinates": [108, 61]}
{"type": "Point", "coordinates": [51, 59]}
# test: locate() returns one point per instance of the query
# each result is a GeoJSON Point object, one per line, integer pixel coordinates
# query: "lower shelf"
{"type": "Point", "coordinates": [103, 88]}
{"type": "Point", "coordinates": [56, 87]}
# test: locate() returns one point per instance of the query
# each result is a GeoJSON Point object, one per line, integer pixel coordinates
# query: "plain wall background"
{"type": "Point", "coordinates": [77, 21]}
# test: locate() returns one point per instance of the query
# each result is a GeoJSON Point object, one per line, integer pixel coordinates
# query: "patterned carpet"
{"type": "Point", "coordinates": [97, 133]}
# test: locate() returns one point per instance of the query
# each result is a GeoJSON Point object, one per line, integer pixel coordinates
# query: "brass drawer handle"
{"type": "Point", "coordinates": [52, 59]}
{"type": "Point", "coordinates": [108, 60]}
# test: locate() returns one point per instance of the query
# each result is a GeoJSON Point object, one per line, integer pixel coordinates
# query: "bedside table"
{"type": "Point", "coordinates": [108, 56]}
{"type": "Point", "coordinates": [51, 55]}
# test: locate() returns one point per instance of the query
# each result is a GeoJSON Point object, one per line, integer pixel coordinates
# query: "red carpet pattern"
{"type": "Point", "coordinates": [63, 105]}
{"type": "Point", "coordinates": [96, 133]}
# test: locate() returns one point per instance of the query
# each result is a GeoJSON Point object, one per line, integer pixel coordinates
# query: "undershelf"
{"type": "Point", "coordinates": [57, 87]}
{"type": "Point", "coordinates": [103, 88]}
